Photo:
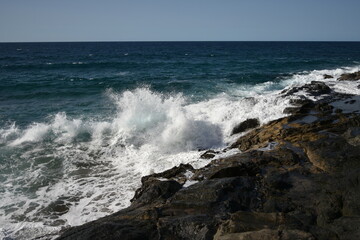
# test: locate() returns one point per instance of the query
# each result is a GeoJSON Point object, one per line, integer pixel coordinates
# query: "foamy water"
{"type": "Point", "coordinates": [72, 170]}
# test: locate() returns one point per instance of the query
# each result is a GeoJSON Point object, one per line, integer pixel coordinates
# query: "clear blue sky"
{"type": "Point", "coordinates": [179, 20]}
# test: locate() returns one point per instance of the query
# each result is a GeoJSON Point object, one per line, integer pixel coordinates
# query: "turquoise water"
{"type": "Point", "coordinates": [80, 123]}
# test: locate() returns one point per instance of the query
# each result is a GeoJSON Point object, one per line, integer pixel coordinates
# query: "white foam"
{"type": "Point", "coordinates": [188, 183]}
{"type": "Point", "coordinates": [34, 133]}
{"type": "Point", "coordinates": [349, 87]}
{"type": "Point", "coordinates": [7, 133]}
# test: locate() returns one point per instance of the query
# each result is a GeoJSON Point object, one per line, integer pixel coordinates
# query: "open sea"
{"type": "Point", "coordinates": [80, 123]}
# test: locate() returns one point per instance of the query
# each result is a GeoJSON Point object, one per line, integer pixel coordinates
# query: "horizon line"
{"type": "Point", "coordinates": [144, 41]}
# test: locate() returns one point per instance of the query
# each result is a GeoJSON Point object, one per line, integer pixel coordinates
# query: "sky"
{"type": "Point", "coordinates": [179, 20]}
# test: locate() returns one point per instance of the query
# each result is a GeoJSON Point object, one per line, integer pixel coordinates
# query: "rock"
{"type": "Point", "coordinates": [327, 76]}
{"type": "Point", "coordinates": [315, 88]}
{"type": "Point", "coordinates": [347, 227]}
{"type": "Point", "coordinates": [246, 125]}
{"type": "Point", "coordinates": [209, 154]}
{"type": "Point", "coordinates": [302, 106]}
{"type": "Point", "coordinates": [301, 102]}
{"type": "Point", "coordinates": [155, 191]}
{"type": "Point", "coordinates": [350, 76]}
{"type": "Point", "coordinates": [269, 234]}
{"type": "Point", "coordinates": [112, 228]}
{"type": "Point", "coordinates": [324, 108]}
{"type": "Point", "coordinates": [332, 153]}
{"type": "Point", "coordinates": [265, 234]}
{"type": "Point", "coordinates": [176, 173]}
{"type": "Point", "coordinates": [186, 227]}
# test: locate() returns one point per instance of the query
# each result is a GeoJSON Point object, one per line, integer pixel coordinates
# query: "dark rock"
{"type": "Point", "coordinates": [268, 234]}
{"type": "Point", "coordinates": [114, 229]}
{"type": "Point", "coordinates": [155, 191]}
{"type": "Point", "coordinates": [175, 172]}
{"type": "Point", "coordinates": [208, 154]}
{"type": "Point", "coordinates": [315, 88]}
{"type": "Point", "coordinates": [324, 108]}
{"type": "Point", "coordinates": [187, 227]}
{"type": "Point", "coordinates": [300, 101]}
{"type": "Point", "coordinates": [327, 76]}
{"type": "Point", "coordinates": [350, 76]}
{"type": "Point", "coordinates": [302, 106]}
{"type": "Point", "coordinates": [347, 227]}
{"type": "Point", "coordinates": [234, 172]}
{"type": "Point", "coordinates": [246, 125]}
{"type": "Point", "coordinates": [350, 101]}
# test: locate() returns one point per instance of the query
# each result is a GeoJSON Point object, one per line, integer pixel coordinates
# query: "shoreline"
{"type": "Point", "coordinates": [296, 178]}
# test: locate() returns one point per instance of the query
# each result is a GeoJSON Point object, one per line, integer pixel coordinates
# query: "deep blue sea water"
{"type": "Point", "coordinates": [38, 79]}
{"type": "Point", "coordinates": [80, 123]}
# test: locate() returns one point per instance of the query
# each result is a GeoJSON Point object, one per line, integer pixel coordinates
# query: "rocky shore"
{"type": "Point", "coordinates": [297, 177]}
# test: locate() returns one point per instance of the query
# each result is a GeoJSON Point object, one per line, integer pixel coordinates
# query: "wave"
{"type": "Point", "coordinates": [143, 116]}
{"type": "Point", "coordinates": [67, 171]}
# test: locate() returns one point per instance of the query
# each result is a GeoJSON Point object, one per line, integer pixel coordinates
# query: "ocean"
{"type": "Point", "coordinates": [80, 123]}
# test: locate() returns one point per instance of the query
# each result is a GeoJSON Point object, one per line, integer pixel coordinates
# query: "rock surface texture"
{"type": "Point", "coordinates": [350, 76]}
{"type": "Point", "coordinates": [297, 177]}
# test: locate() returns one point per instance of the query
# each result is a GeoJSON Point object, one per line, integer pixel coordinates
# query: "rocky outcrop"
{"type": "Point", "coordinates": [327, 76]}
{"type": "Point", "coordinates": [246, 125]}
{"type": "Point", "coordinates": [209, 154]}
{"type": "Point", "coordinates": [314, 88]}
{"type": "Point", "coordinates": [297, 177]}
{"type": "Point", "coordinates": [350, 76]}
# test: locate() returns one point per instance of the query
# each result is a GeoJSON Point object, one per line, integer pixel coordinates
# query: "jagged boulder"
{"type": "Point", "coordinates": [350, 76]}
{"type": "Point", "coordinates": [246, 125]}
{"type": "Point", "coordinates": [209, 154]}
{"type": "Point", "coordinates": [327, 76]}
{"type": "Point", "coordinates": [314, 88]}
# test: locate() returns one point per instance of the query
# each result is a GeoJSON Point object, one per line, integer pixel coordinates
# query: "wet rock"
{"type": "Point", "coordinates": [269, 234]}
{"type": "Point", "coordinates": [113, 228]}
{"type": "Point", "coordinates": [347, 227]}
{"type": "Point", "coordinates": [315, 88]}
{"type": "Point", "coordinates": [302, 106]}
{"type": "Point", "coordinates": [332, 153]}
{"type": "Point", "coordinates": [327, 76]}
{"type": "Point", "coordinates": [301, 102]}
{"type": "Point", "coordinates": [187, 227]}
{"type": "Point", "coordinates": [59, 207]}
{"type": "Point", "coordinates": [350, 76]}
{"type": "Point", "coordinates": [324, 108]}
{"type": "Point", "coordinates": [246, 125]}
{"type": "Point", "coordinates": [155, 191]}
{"type": "Point", "coordinates": [176, 173]}
{"type": "Point", "coordinates": [209, 154]}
